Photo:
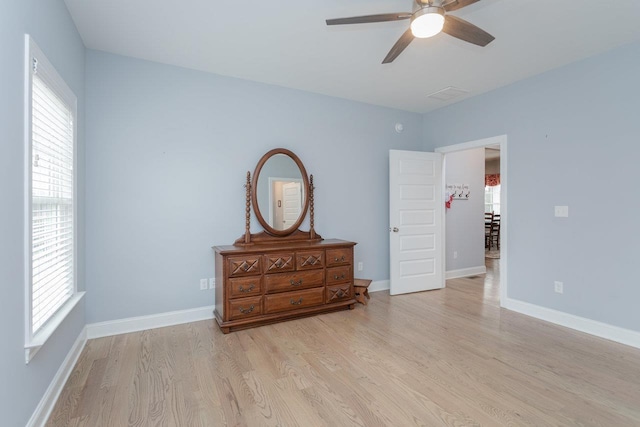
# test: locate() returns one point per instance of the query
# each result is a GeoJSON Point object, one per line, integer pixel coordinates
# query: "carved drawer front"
{"type": "Point", "coordinates": [338, 293]}
{"type": "Point", "coordinates": [245, 286]}
{"type": "Point", "coordinates": [309, 260]}
{"type": "Point", "coordinates": [338, 274]}
{"type": "Point", "coordinates": [339, 256]}
{"type": "Point", "coordinates": [275, 263]}
{"type": "Point", "coordinates": [293, 300]}
{"type": "Point", "coordinates": [244, 265]}
{"type": "Point", "coordinates": [245, 307]}
{"type": "Point", "coordinates": [293, 281]}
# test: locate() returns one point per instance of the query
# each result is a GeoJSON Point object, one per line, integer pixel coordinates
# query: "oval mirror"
{"type": "Point", "coordinates": [279, 192]}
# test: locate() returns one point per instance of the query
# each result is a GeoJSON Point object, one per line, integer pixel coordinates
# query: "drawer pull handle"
{"type": "Point", "coordinates": [340, 293]}
{"type": "Point", "coordinates": [336, 277]}
{"type": "Point", "coordinates": [294, 283]}
{"type": "Point", "coordinates": [296, 302]}
{"type": "Point", "coordinates": [249, 289]}
{"type": "Point", "coordinates": [339, 259]}
{"type": "Point", "coordinates": [279, 264]}
{"type": "Point", "coordinates": [247, 310]}
{"type": "Point", "coordinates": [245, 267]}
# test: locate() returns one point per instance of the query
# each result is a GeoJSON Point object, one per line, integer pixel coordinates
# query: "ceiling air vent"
{"type": "Point", "coordinates": [448, 93]}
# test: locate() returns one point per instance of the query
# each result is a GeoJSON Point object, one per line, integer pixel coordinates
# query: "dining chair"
{"type": "Point", "coordinates": [494, 232]}
{"type": "Point", "coordinates": [488, 220]}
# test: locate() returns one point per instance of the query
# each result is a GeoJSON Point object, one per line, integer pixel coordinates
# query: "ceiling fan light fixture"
{"type": "Point", "coordinates": [427, 22]}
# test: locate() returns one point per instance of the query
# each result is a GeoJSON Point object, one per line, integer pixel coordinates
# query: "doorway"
{"type": "Point", "coordinates": [492, 202]}
{"type": "Point", "coordinates": [285, 201]}
{"type": "Point", "coordinates": [501, 143]}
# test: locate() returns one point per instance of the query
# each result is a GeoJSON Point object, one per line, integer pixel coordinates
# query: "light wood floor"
{"type": "Point", "coordinates": [442, 358]}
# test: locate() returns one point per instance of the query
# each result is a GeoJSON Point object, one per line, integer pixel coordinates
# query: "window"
{"type": "Point", "coordinates": [50, 112]}
{"type": "Point", "coordinates": [492, 199]}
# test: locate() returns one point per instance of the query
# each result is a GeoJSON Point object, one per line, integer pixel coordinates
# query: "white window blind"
{"type": "Point", "coordinates": [51, 152]}
{"type": "Point", "coordinates": [51, 202]}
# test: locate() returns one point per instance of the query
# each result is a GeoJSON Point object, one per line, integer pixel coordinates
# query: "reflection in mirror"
{"type": "Point", "coordinates": [280, 192]}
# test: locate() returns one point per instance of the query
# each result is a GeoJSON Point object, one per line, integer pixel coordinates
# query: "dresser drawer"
{"type": "Point", "coordinates": [245, 307]}
{"type": "Point", "coordinates": [293, 281]}
{"type": "Point", "coordinates": [338, 293]}
{"type": "Point", "coordinates": [338, 274]}
{"type": "Point", "coordinates": [245, 286]}
{"type": "Point", "coordinates": [293, 300]}
{"type": "Point", "coordinates": [339, 256]}
{"type": "Point", "coordinates": [276, 263]}
{"type": "Point", "coordinates": [309, 260]}
{"type": "Point", "coordinates": [244, 265]}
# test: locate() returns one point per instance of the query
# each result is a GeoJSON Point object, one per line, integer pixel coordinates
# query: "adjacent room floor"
{"type": "Point", "coordinates": [448, 357]}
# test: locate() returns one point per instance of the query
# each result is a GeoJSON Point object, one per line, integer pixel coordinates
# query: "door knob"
{"type": "Point", "coordinates": [395, 229]}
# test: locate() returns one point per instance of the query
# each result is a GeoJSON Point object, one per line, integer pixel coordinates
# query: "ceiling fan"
{"type": "Point", "coordinates": [429, 17]}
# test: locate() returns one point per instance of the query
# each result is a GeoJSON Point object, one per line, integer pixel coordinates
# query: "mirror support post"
{"type": "Point", "coordinates": [312, 231]}
{"type": "Point", "coordinates": [247, 231]}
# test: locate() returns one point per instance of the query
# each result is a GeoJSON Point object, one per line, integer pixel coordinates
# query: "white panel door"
{"type": "Point", "coordinates": [416, 229]}
{"type": "Point", "coordinates": [292, 196]}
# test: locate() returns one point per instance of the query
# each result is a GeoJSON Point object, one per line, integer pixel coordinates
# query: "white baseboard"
{"type": "Point", "coordinates": [379, 285]}
{"type": "Point", "coordinates": [592, 327]}
{"type": "Point", "coordinates": [465, 272]}
{"type": "Point", "coordinates": [135, 324]}
{"type": "Point", "coordinates": [48, 401]}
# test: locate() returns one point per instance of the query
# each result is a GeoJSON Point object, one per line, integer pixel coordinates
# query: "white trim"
{"type": "Point", "coordinates": [38, 340]}
{"type": "Point", "coordinates": [466, 272]}
{"type": "Point", "coordinates": [50, 397]}
{"type": "Point", "coordinates": [592, 327]}
{"type": "Point", "coordinates": [27, 191]}
{"type": "Point", "coordinates": [379, 285]}
{"type": "Point", "coordinates": [141, 323]}
{"type": "Point", "coordinates": [500, 140]}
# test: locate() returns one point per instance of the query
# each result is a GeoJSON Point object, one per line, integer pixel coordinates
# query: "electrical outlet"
{"type": "Point", "coordinates": [360, 266]}
{"type": "Point", "coordinates": [212, 283]}
{"type": "Point", "coordinates": [558, 287]}
{"type": "Point", "coordinates": [561, 211]}
{"type": "Point", "coordinates": [204, 285]}
{"type": "Point", "coordinates": [455, 254]}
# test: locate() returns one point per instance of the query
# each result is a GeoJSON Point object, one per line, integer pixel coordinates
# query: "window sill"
{"type": "Point", "coordinates": [41, 337]}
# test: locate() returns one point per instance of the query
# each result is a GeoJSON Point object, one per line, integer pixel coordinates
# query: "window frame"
{"type": "Point", "coordinates": [491, 191]}
{"type": "Point", "coordinates": [50, 76]}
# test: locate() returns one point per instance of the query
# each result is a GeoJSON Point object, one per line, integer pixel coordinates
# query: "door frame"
{"type": "Point", "coordinates": [500, 140]}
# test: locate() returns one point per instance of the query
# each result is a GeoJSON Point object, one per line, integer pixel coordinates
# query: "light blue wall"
{"type": "Point", "coordinates": [167, 154]}
{"type": "Point", "coordinates": [465, 219]}
{"type": "Point", "coordinates": [573, 139]}
{"type": "Point", "coordinates": [22, 386]}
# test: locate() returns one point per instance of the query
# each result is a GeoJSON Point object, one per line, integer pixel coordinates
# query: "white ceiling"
{"type": "Point", "coordinates": [287, 43]}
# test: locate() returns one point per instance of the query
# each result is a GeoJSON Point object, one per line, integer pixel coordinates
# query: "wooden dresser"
{"type": "Point", "coordinates": [267, 283]}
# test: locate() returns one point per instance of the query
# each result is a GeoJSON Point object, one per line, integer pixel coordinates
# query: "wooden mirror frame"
{"type": "Point", "coordinates": [270, 235]}
{"type": "Point", "coordinates": [254, 193]}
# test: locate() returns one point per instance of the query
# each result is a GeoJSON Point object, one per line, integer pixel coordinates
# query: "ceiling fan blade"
{"type": "Point", "coordinates": [400, 45]}
{"type": "Point", "coordinates": [366, 19]}
{"type": "Point", "coordinates": [458, 4]}
{"type": "Point", "coordinates": [463, 30]}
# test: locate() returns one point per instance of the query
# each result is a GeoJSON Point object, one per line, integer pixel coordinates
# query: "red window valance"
{"type": "Point", "coordinates": [492, 180]}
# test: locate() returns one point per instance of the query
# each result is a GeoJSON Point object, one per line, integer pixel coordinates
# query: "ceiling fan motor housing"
{"type": "Point", "coordinates": [437, 3]}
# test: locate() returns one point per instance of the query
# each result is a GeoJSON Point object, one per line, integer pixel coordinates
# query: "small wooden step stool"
{"type": "Point", "coordinates": [360, 287]}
